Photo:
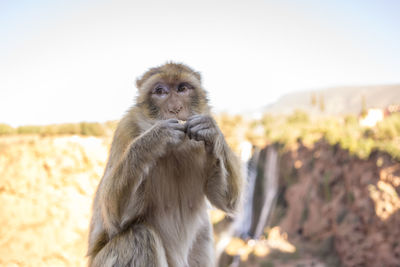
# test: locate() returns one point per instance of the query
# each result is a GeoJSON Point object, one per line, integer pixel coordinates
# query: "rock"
{"type": "Point", "coordinates": [333, 194]}
{"type": "Point", "coordinates": [46, 190]}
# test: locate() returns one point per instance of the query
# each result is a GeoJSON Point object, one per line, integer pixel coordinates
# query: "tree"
{"type": "Point", "coordinates": [313, 99]}
{"type": "Point", "coordinates": [363, 106]}
{"type": "Point", "coordinates": [321, 103]}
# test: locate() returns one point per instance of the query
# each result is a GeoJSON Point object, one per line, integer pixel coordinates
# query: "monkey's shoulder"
{"type": "Point", "coordinates": [131, 125]}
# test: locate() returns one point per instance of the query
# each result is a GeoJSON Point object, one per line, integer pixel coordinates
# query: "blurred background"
{"type": "Point", "coordinates": [307, 93]}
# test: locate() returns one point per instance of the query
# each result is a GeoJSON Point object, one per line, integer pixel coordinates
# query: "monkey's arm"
{"type": "Point", "coordinates": [224, 181]}
{"type": "Point", "coordinates": [121, 197]}
{"type": "Point", "coordinates": [224, 177]}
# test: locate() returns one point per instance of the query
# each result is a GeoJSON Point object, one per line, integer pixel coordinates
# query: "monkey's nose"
{"type": "Point", "coordinates": [176, 110]}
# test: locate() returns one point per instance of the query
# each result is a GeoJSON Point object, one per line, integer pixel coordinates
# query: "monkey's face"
{"type": "Point", "coordinates": [173, 101]}
{"type": "Point", "coordinates": [172, 91]}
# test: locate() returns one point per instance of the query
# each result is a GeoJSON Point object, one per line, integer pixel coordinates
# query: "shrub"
{"type": "Point", "coordinates": [30, 129]}
{"type": "Point", "coordinates": [6, 129]}
{"type": "Point", "coordinates": [298, 116]}
{"type": "Point", "coordinates": [389, 128]}
{"type": "Point", "coordinates": [91, 128]}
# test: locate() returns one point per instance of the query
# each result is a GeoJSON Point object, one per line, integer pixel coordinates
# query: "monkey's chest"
{"type": "Point", "coordinates": [178, 199]}
{"type": "Point", "coordinates": [180, 211]}
{"type": "Point", "coordinates": [178, 180]}
{"type": "Point", "coordinates": [184, 164]}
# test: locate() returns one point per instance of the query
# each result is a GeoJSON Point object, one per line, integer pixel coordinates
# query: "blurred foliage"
{"type": "Point", "coordinates": [95, 129]}
{"type": "Point", "coordinates": [389, 128]}
{"type": "Point", "coordinates": [286, 130]}
{"type": "Point", "coordinates": [299, 126]}
{"type": "Point", "coordinates": [6, 129]}
{"type": "Point", "coordinates": [231, 127]}
{"type": "Point", "coordinates": [298, 117]}
{"type": "Point", "coordinates": [321, 103]}
{"type": "Point", "coordinates": [82, 128]}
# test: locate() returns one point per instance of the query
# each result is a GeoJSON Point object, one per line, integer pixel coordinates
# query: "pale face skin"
{"type": "Point", "coordinates": [173, 100]}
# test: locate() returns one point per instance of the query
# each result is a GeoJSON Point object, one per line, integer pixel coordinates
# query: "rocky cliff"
{"type": "Point", "coordinates": [46, 189]}
{"type": "Point", "coordinates": [342, 204]}
{"type": "Point", "coordinates": [329, 203]}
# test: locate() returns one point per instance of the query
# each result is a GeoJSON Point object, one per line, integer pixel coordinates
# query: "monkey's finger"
{"type": "Point", "coordinates": [199, 127]}
{"type": "Point", "coordinates": [190, 125]}
{"type": "Point", "coordinates": [172, 121]}
{"type": "Point", "coordinates": [180, 135]}
{"type": "Point", "coordinates": [196, 119]}
{"type": "Point", "coordinates": [206, 135]}
{"type": "Point", "coordinates": [195, 116]}
{"type": "Point", "coordinates": [195, 136]}
{"type": "Point", "coordinates": [178, 126]}
{"type": "Point", "coordinates": [191, 134]}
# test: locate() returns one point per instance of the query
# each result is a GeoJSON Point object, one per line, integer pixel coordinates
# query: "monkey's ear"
{"type": "Point", "coordinates": [197, 75]}
{"type": "Point", "coordinates": [139, 83]}
{"type": "Point", "coordinates": [146, 76]}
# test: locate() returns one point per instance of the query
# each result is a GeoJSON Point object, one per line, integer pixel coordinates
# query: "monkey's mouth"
{"type": "Point", "coordinates": [178, 117]}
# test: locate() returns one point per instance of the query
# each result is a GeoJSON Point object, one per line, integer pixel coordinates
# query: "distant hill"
{"type": "Point", "coordinates": [339, 100]}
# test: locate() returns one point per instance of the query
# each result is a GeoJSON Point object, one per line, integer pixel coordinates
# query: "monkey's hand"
{"type": "Point", "coordinates": [171, 131]}
{"type": "Point", "coordinates": [203, 128]}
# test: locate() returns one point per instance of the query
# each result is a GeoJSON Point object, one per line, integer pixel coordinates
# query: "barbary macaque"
{"type": "Point", "coordinates": [167, 157]}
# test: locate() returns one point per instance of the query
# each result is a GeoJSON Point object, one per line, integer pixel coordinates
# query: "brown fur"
{"type": "Point", "coordinates": [150, 206]}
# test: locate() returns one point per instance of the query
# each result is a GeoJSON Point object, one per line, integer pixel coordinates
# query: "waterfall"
{"type": "Point", "coordinates": [242, 222]}
{"type": "Point", "coordinates": [271, 189]}
{"type": "Point", "coordinates": [259, 169]}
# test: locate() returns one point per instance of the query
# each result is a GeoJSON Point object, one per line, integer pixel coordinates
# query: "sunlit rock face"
{"type": "Point", "coordinates": [46, 190]}
{"type": "Point", "coordinates": [347, 204]}
{"type": "Point", "coordinates": [343, 204]}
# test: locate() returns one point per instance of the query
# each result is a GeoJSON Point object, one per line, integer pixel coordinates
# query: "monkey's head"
{"type": "Point", "coordinates": [171, 91]}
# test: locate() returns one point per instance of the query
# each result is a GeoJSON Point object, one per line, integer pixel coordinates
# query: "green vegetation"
{"type": "Point", "coordinates": [83, 128]}
{"type": "Point", "coordinates": [321, 103]}
{"type": "Point", "coordinates": [344, 131]}
{"type": "Point", "coordinates": [6, 129]}
{"type": "Point", "coordinates": [313, 99]}
{"type": "Point", "coordinates": [363, 106]}
{"type": "Point", "coordinates": [285, 130]}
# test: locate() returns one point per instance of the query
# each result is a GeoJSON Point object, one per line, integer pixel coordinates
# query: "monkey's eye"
{"type": "Point", "coordinates": [183, 88]}
{"type": "Point", "coordinates": [159, 90]}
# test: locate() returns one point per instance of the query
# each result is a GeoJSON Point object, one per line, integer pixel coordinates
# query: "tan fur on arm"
{"type": "Point", "coordinates": [130, 158]}
{"type": "Point", "coordinates": [223, 187]}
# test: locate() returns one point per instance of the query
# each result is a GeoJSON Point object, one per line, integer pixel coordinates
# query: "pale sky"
{"type": "Point", "coordinates": [71, 61]}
